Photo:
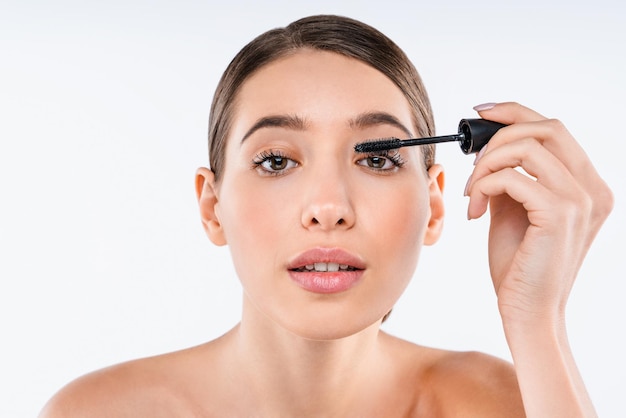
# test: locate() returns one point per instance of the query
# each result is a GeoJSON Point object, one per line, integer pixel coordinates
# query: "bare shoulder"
{"type": "Point", "coordinates": [155, 386]}
{"type": "Point", "coordinates": [459, 384]}
{"type": "Point", "coordinates": [475, 384]}
{"type": "Point", "coordinates": [127, 389]}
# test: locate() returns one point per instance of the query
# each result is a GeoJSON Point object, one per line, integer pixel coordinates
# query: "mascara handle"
{"type": "Point", "coordinates": [476, 133]}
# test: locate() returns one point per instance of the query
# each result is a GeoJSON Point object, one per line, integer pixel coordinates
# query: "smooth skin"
{"type": "Point", "coordinates": [296, 184]}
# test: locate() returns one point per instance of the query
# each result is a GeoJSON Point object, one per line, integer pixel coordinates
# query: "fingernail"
{"type": "Point", "coordinates": [480, 154]}
{"type": "Point", "coordinates": [469, 180]}
{"type": "Point", "coordinates": [484, 106]}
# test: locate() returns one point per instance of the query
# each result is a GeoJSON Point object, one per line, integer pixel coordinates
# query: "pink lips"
{"type": "Point", "coordinates": [337, 279]}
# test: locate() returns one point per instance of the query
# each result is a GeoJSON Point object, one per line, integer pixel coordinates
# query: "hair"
{"type": "Point", "coordinates": [337, 34]}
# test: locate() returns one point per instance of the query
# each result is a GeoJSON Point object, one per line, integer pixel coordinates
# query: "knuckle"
{"type": "Point", "coordinates": [603, 202]}
{"type": "Point", "coordinates": [555, 125]}
{"type": "Point", "coordinates": [509, 174]}
{"type": "Point", "coordinates": [580, 199]}
{"type": "Point", "coordinates": [576, 213]}
{"type": "Point", "coordinates": [531, 146]}
{"type": "Point", "coordinates": [585, 203]}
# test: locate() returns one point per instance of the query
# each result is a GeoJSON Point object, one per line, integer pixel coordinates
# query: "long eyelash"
{"type": "Point", "coordinates": [265, 155]}
{"type": "Point", "coordinates": [392, 155]}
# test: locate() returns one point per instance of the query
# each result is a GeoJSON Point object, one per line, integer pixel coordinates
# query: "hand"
{"type": "Point", "coordinates": [541, 226]}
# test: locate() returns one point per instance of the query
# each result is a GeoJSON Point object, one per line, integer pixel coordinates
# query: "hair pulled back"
{"type": "Point", "coordinates": [337, 34]}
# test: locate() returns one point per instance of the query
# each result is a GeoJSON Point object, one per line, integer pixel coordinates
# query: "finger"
{"type": "Point", "coordinates": [508, 113]}
{"type": "Point", "coordinates": [559, 141]}
{"type": "Point", "coordinates": [535, 160]}
{"type": "Point", "coordinates": [555, 138]}
{"type": "Point", "coordinates": [521, 188]}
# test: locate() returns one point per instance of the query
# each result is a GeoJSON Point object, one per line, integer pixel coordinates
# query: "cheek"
{"type": "Point", "coordinates": [400, 213]}
{"type": "Point", "coordinates": [245, 206]}
{"type": "Point", "coordinates": [254, 219]}
{"type": "Point", "coordinates": [398, 223]}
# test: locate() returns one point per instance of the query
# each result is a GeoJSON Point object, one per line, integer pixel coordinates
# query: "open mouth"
{"type": "Point", "coordinates": [326, 270]}
{"type": "Point", "coordinates": [325, 267]}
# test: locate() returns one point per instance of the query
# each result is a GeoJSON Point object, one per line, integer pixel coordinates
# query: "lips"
{"type": "Point", "coordinates": [326, 270]}
{"type": "Point", "coordinates": [321, 267]}
{"type": "Point", "coordinates": [326, 259]}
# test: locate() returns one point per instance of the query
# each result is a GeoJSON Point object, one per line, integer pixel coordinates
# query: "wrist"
{"type": "Point", "coordinates": [530, 318]}
{"type": "Point", "coordinates": [544, 364]}
{"type": "Point", "coordinates": [536, 328]}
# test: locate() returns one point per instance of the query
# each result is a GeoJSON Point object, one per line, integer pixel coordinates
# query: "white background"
{"type": "Point", "coordinates": [103, 121]}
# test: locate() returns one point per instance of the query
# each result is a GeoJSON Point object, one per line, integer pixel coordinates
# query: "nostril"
{"type": "Point", "coordinates": [324, 223]}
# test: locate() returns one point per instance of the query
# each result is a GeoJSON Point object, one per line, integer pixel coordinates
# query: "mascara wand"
{"type": "Point", "coordinates": [473, 135]}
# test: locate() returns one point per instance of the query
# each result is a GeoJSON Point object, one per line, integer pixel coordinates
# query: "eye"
{"type": "Point", "coordinates": [385, 161]}
{"type": "Point", "coordinates": [273, 163]}
{"type": "Point", "coordinates": [377, 162]}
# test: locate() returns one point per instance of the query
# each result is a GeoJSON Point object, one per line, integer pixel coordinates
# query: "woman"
{"type": "Point", "coordinates": [325, 240]}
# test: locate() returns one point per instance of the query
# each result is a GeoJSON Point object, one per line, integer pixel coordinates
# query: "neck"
{"type": "Point", "coordinates": [289, 373]}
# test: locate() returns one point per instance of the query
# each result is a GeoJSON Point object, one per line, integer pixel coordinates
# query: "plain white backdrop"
{"type": "Point", "coordinates": [103, 121]}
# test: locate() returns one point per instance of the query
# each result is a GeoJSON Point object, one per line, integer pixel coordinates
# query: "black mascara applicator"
{"type": "Point", "coordinates": [473, 135]}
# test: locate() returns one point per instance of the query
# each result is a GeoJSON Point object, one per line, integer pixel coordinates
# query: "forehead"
{"type": "Point", "coordinates": [320, 86]}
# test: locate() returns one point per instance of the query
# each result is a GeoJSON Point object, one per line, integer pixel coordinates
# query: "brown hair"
{"type": "Point", "coordinates": [338, 34]}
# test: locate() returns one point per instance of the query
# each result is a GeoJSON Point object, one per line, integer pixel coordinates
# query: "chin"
{"type": "Point", "coordinates": [331, 328]}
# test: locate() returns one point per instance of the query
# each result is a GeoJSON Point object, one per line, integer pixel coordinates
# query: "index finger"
{"type": "Point", "coordinates": [508, 113]}
{"type": "Point", "coordinates": [527, 123]}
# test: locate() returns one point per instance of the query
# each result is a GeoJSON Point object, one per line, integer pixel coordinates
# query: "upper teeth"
{"type": "Point", "coordinates": [328, 267]}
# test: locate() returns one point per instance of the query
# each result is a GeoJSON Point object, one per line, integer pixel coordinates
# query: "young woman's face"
{"type": "Point", "coordinates": [324, 240]}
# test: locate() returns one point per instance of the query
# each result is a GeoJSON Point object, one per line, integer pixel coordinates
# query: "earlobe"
{"type": "Point", "coordinates": [207, 201]}
{"type": "Point", "coordinates": [437, 211]}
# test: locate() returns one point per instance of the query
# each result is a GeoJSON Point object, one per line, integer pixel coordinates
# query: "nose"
{"type": "Point", "coordinates": [328, 204]}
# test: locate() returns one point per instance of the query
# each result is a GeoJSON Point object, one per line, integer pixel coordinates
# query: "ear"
{"type": "Point", "coordinates": [206, 193]}
{"type": "Point", "coordinates": [435, 192]}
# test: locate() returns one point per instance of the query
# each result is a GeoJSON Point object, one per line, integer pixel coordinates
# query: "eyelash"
{"type": "Point", "coordinates": [393, 156]}
{"type": "Point", "coordinates": [262, 157]}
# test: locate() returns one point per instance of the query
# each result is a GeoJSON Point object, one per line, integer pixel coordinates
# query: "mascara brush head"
{"type": "Point", "coordinates": [377, 145]}
{"type": "Point", "coordinates": [384, 144]}
{"type": "Point", "coordinates": [473, 134]}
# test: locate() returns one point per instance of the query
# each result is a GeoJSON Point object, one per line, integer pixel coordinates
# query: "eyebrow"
{"type": "Point", "coordinates": [367, 119]}
{"type": "Point", "coordinates": [277, 121]}
{"type": "Point", "coordinates": [294, 122]}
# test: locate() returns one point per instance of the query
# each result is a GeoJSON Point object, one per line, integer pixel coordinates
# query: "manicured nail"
{"type": "Point", "coordinates": [484, 106]}
{"type": "Point", "coordinates": [469, 180]}
{"type": "Point", "coordinates": [480, 154]}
